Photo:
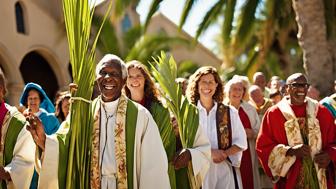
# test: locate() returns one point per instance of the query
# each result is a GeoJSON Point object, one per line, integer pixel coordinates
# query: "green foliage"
{"type": "Point", "coordinates": [153, 8]}
{"type": "Point", "coordinates": [186, 10]}
{"type": "Point", "coordinates": [186, 68]}
{"type": "Point", "coordinates": [164, 70]}
{"type": "Point", "coordinates": [78, 17]}
{"type": "Point", "coordinates": [228, 19]}
{"type": "Point", "coordinates": [210, 17]}
{"type": "Point", "coordinates": [108, 40]}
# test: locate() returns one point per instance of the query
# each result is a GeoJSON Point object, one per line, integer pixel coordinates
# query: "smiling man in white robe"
{"type": "Point", "coordinates": [126, 150]}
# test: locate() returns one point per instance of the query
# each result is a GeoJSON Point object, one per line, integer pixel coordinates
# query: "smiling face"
{"type": "Point", "coordinates": [257, 96]}
{"type": "Point", "coordinates": [297, 89]}
{"type": "Point", "coordinates": [110, 80]}
{"type": "Point", "coordinates": [33, 101]}
{"type": "Point", "coordinates": [207, 86]}
{"type": "Point", "coordinates": [135, 80]}
{"type": "Point", "coordinates": [236, 93]}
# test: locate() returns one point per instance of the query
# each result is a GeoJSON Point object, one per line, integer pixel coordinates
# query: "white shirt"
{"type": "Point", "coordinates": [208, 123]}
{"type": "Point", "coordinates": [220, 175]}
{"type": "Point", "coordinates": [107, 147]}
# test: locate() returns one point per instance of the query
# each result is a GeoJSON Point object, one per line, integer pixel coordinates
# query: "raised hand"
{"type": "Point", "coordinates": [36, 129]}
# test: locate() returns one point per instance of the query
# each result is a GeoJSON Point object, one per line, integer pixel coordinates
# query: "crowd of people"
{"type": "Point", "coordinates": [251, 135]}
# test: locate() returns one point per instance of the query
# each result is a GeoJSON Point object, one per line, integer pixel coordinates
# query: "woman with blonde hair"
{"type": "Point", "coordinates": [235, 91]}
{"type": "Point", "coordinates": [223, 127]}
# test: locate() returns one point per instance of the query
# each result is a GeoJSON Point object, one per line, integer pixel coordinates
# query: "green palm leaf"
{"type": "Point", "coordinates": [186, 11]}
{"type": "Point", "coordinates": [153, 8]}
{"type": "Point", "coordinates": [228, 21]}
{"type": "Point", "coordinates": [210, 17]}
{"type": "Point", "coordinates": [78, 17]}
{"type": "Point", "coordinates": [245, 22]}
{"type": "Point", "coordinates": [108, 41]}
{"type": "Point", "coordinates": [151, 45]}
{"type": "Point", "coordinates": [164, 71]}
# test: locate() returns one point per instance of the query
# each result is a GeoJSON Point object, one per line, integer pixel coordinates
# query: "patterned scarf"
{"type": "Point", "coordinates": [120, 146]}
{"type": "Point", "coordinates": [293, 133]}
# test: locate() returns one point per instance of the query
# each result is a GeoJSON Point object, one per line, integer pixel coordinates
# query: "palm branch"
{"type": "Point", "coordinates": [78, 17]}
{"type": "Point", "coordinates": [164, 70]}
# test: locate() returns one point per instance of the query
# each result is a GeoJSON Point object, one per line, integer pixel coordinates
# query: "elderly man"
{"type": "Point", "coordinates": [17, 148]}
{"type": "Point", "coordinates": [296, 143]}
{"type": "Point", "coordinates": [258, 100]}
{"type": "Point", "coordinates": [135, 132]}
{"type": "Point", "coordinates": [259, 79]}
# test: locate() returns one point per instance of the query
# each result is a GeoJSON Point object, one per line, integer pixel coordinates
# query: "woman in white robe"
{"type": "Point", "coordinates": [206, 90]}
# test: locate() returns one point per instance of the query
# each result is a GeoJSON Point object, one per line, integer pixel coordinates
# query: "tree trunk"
{"type": "Point", "coordinates": [312, 36]}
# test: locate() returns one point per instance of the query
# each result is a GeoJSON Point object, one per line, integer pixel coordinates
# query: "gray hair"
{"type": "Point", "coordinates": [113, 59]}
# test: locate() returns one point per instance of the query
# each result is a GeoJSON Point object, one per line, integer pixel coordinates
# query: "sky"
{"type": "Point", "coordinates": [173, 9]}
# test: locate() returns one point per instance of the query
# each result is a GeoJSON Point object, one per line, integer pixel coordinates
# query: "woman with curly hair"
{"type": "Point", "coordinates": [223, 127]}
{"type": "Point", "coordinates": [235, 91]}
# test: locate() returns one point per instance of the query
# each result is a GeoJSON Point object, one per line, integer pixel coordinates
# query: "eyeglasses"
{"type": "Point", "coordinates": [299, 85]}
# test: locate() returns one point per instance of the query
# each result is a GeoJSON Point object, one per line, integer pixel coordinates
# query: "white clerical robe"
{"type": "Point", "coordinates": [150, 160]}
{"type": "Point", "coordinates": [200, 155]}
{"type": "Point", "coordinates": [220, 175]}
{"type": "Point", "coordinates": [21, 168]}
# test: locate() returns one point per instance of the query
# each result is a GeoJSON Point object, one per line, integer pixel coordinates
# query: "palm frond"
{"type": "Point", "coordinates": [153, 8]}
{"type": "Point", "coordinates": [131, 37]}
{"type": "Point", "coordinates": [228, 21]}
{"type": "Point", "coordinates": [164, 71]}
{"type": "Point", "coordinates": [151, 45]}
{"type": "Point", "coordinates": [108, 41]}
{"type": "Point", "coordinates": [78, 18]}
{"type": "Point", "coordinates": [210, 17]}
{"type": "Point", "coordinates": [186, 11]}
{"type": "Point", "coordinates": [245, 21]}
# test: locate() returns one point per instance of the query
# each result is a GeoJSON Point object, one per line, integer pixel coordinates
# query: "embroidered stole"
{"type": "Point", "coordinates": [124, 144]}
{"type": "Point", "coordinates": [223, 124]}
{"type": "Point", "coordinates": [224, 133]}
{"type": "Point", "coordinates": [12, 124]}
{"type": "Point", "coordinates": [293, 133]}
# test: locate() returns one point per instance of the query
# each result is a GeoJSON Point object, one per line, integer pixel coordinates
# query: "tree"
{"type": "Point", "coordinates": [312, 35]}
{"type": "Point", "coordinates": [263, 31]}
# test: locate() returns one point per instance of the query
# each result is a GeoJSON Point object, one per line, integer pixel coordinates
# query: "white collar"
{"type": "Point", "coordinates": [200, 107]}
{"type": "Point", "coordinates": [110, 107]}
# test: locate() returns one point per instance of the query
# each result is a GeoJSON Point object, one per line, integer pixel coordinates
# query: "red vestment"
{"type": "Point", "coordinates": [272, 133]}
{"type": "Point", "coordinates": [246, 162]}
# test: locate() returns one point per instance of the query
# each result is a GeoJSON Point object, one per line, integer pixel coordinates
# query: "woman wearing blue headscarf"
{"type": "Point", "coordinates": [38, 103]}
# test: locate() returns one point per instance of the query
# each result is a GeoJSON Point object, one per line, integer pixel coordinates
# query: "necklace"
{"type": "Point", "coordinates": [105, 142]}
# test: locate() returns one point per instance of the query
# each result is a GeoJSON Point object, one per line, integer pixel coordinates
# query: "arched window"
{"type": "Point", "coordinates": [20, 25]}
{"type": "Point", "coordinates": [126, 23]}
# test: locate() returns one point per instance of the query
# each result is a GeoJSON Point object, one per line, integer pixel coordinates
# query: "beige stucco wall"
{"type": "Point", "coordinates": [45, 35]}
{"type": "Point", "coordinates": [198, 54]}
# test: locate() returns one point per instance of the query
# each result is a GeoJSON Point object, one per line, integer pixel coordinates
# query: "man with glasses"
{"type": "Point", "coordinates": [296, 143]}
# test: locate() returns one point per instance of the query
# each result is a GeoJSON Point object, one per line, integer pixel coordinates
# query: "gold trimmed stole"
{"type": "Point", "coordinates": [293, 133]}
{"type": "Point", "coordinates": [120, 145]}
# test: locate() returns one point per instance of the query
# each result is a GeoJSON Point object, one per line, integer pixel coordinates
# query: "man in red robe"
{"type": "Point", "coordinates": [293, 133]}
